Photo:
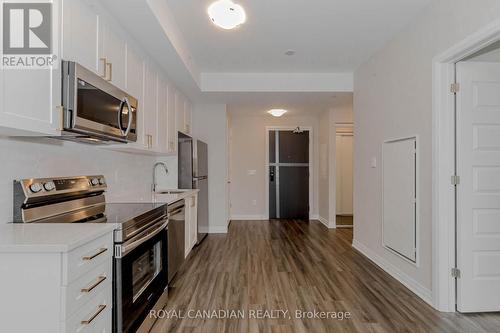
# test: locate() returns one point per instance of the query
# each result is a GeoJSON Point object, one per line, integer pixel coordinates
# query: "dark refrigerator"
{"type": "Point", "coordinates": [193, 174]}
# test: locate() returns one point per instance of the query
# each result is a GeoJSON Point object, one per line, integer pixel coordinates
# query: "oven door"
{"type": "Point", "coordinates": [140, 277]}
{"type": "Point", "coordinates": [94, 107]}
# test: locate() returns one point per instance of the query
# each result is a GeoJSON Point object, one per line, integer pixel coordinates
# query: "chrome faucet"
{"type": "Point", "coordinates": [157, 164]}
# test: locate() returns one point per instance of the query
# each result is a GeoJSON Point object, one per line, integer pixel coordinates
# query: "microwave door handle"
{"type": "Point", "coordinates": [120, 113]}
{"type": "Point", "coordinates": [130, 116]}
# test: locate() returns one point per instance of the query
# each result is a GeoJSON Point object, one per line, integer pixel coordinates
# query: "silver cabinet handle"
{"type": "Point", "coordinates": [104, 67]}
{"type": "Point", "coordinates": [94, 316]}
{"type": "Point", "coordinates": [98, 253]}
{"type": "Point", "coordinates": [100, 280]}
{"type": "Point", "coordinates": [109, 66]}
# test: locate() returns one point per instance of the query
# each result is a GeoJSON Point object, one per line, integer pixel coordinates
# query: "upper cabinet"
{"type": "Point", "coordinates": [183, 113]}
{"type": "Point", "coordinates": [30, 100]}
{"type": "Point", "coordinates": [172, 125]}
{"type": "Point", "coordinates": [112, 54]}
{"type": "Point", "coordinates": [80, 34]}
{"type": "Point", "coordinates": [188, 110]}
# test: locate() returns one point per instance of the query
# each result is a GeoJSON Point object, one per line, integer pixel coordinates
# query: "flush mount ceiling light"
{"type": "Point", "coordinates": [277, 112]}
{"type": "Point", "coordinates": [226, 14]}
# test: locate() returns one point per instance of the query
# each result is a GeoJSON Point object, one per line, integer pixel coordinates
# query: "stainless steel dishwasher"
{"type": "Point", "coordinates": [176, 237]}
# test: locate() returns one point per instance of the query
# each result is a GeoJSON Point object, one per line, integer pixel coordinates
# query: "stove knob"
{"type": "Point", "coordinates": [49, 186]}
{"type": "Point", "coordinates": [94, 181]}
{"type": "Point", "coordinates": [35, 187]}
{"type": "Point", "coordinates": [102, 181]}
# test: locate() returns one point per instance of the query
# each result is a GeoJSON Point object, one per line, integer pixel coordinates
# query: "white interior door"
{"type": "Point", "coordinates": [478, 194]}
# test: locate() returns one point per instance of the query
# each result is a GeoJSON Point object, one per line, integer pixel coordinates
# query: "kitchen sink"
{"type": "Point", "coordinates": [171, 192]}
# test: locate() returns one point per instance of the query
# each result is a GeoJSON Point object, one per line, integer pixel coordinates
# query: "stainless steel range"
{"type": "Point", "coordinates": [140, 273]}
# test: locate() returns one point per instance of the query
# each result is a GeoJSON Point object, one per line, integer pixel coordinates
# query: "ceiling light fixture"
{"type": "Point", "coordinates": [226, 14]}
{"type": "Point", "coordinates": [290, 52]}
{"type": "Point", "coordinates": [277, 112]}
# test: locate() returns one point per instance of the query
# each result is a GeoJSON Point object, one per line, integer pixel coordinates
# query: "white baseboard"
{"type": "Point", "coordinates": [325, 222]}
{"type": "Point", "coordinates": [395, 272]}
{"type": "Point", "coordinates": [248, 217]}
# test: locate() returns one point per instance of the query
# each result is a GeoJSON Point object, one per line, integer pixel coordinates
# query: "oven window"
{"type": "Point", "coordinates": [145, 269]}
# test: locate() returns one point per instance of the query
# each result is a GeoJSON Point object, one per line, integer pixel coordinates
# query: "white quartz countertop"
{"type": "Point", "coordinates": [64, 237]}
{"type": "Point", "coordinates": [171, 196]}
{"type": "Point", "coordinates": [49, 237]}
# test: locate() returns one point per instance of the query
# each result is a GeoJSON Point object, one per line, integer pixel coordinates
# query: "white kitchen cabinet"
{"type": "Point", "coordinates": [45, 290]}
{"type": "Point", "coordinates": [112, 54]}
{"type": "Point", "coordinates": [90, 36]}
{"type": "Point", "coordinates": [150, 107]}
{"type": "Point", "coordinates": [191, 226]}
{"type": "Point", "coordinates": [135, 87]}
{"type": "Point", "coordinates": [162, 124]}
{"type": "Point", "coordinates": [187, 116]}
{"type": "Point", "coordinates": [80, 34]}
{"type": "Point", "coordinates": [172, 126]}
{"type": "Point", "coordinates": [30, 99]}
{"type": "Point", "coordinates": [179, 111]}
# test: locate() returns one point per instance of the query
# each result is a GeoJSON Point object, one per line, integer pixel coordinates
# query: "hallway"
{"type": "Point", "coordinates": [295, 265]}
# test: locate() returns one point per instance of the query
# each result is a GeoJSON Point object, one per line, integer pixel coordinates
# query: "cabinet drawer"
{"type": "Point", "coordinates": [87, 257]}
{"type": "Point", "coordinates": [94, 316]}
{"type": "Point", "coordinates": [80, 291]}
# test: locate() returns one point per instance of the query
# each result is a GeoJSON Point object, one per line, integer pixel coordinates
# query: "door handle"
{"type": "Point", "coordinates": [271, 175]}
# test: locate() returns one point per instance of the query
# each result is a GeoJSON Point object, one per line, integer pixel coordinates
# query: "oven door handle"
{"type": "Point", "coordinates": [126, 248]}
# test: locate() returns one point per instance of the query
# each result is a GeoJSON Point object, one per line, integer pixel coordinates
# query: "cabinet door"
{"type": "Point", "coordinates": [187, 228]}
{"type": "Point", "coordinates": [172, 125]}
{"type": "Point", "coordinates": [187, 116]}
{"type": "Point", "coordinates": [112, 49]}
{"type": "Point", "coordinates": [135, 87]}
{"type": "Point", "coordinates": [162, 125]}
{"type": "Point", "coordinates": [179, 111]}
{"type": "Point", "coordinates": [193, 229]}
{"type": "Point", "coordinates": [150, 106]}
{"type": "Point", "coordinates": [30, 99]}
{"type": "Point", "coordinates": [80, 34]}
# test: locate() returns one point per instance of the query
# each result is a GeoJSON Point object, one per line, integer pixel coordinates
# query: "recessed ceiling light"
{"type": "Point", "coordinates": [226, 14]}
{"type": "Point", "coordinates": [277, 112]}
{"type": "Point", "coordinates": [290, 52]}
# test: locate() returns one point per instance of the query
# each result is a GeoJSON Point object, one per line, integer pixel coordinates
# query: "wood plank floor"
{"type": "Point", "coordinates": [290, 265]}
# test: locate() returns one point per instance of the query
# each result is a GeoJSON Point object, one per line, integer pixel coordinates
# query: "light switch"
{"type": "Point", "coordinates": [373, 162]}
{"type": "Point", "coordinates": [252, 172]}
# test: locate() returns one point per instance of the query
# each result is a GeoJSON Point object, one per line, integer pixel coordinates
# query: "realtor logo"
{"type": "Point", "coordinates": [28, 35]}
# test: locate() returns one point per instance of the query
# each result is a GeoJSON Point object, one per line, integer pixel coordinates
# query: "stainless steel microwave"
{"type": "Point", "coordinates": [95, 111]}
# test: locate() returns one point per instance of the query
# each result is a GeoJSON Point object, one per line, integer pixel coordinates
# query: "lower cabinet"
{"type": "Point", "coordinates": [191, 222]}
{"type": "Point", "coordinates": [58, 291]}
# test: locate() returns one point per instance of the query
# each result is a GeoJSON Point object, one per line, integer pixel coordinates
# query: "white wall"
{"type": "Point", "coordinates": [248, 152]}
{"type": "Point", "coordinates": [129, 176]}
{"type": "Point", "coordinates": [393, 98]}
{"type": "Point", "coordinates": [210, 126]}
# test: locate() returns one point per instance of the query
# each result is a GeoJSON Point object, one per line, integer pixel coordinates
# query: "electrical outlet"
{"type": "Point", "coordinates": [254, 202]}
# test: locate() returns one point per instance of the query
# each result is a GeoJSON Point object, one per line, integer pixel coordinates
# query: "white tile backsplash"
{"type": "Point", "coordinates": [129, 176]}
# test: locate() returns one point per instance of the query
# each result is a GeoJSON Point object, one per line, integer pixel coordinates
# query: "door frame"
{"type": "Point", "coordinates": [311, 164]}
{"type": "Point", "coordinates": [333, 172]}
{"type": "Point", "coordinates": [443, 163]}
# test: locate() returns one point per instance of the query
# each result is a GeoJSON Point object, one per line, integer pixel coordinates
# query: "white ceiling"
{"type": "Point", "coordinates": [297, 104]}
{"type": "Point", "coordinates": [327, 35]}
